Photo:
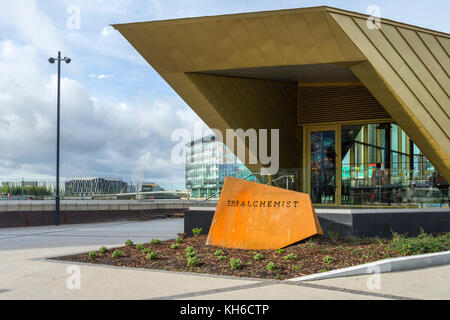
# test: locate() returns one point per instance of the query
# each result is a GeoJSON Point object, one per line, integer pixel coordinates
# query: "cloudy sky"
{"type": "Point", "coordinates": [115, 107]}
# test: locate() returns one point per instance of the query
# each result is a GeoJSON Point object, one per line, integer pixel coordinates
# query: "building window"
{"type": "Point", "coordinates": [381, 165]}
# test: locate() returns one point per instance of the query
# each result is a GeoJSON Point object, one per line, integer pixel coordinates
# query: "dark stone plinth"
{"type": "Point", "coordinates": [353, 223]}
{"type": "Point", "coordinates": [11, 219]}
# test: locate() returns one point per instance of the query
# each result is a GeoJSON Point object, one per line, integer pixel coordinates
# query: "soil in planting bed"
{"type": "Point", "coordinates": [307, 257]}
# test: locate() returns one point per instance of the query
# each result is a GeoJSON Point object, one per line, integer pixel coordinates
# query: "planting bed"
{"type": "Point", "coordinates": [303, 258]}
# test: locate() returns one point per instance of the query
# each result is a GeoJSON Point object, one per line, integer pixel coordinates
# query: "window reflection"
{"type": "Point", "coordinates": [323, 167]}
{"type": "Point", "coordinates": [382, 166]}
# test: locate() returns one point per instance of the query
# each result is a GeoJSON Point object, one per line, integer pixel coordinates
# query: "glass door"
{"type": "Point", "coordinates": [323, 160]}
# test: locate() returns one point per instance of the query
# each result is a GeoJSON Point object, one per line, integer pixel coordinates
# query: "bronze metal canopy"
{"type": "Point", "coordinates": [220, 65]}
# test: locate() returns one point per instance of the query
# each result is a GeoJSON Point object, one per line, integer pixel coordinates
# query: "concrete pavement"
{"type": "Point", "coordinates": [25, 275]}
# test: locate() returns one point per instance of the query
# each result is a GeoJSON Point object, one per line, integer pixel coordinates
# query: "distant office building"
{"type": "Point", "coordinates": [208, 162]}
{"type": "Point", "coordinates": [94, 185]}
{"type": "Point", "coordinates": [151, 187]}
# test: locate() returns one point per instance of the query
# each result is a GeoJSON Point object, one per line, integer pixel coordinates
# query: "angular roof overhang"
{"type": "Point", "coordinates": [215, 63]}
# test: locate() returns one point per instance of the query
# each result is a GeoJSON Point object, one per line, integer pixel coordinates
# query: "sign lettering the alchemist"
{"type": "Point", "coordinates": [254, 216]}
{"type": "Point", "coordinates": [262, 203]}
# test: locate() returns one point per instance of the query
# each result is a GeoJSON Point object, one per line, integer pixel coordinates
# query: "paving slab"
{"type": "Point", "coordinates": [427, 283]}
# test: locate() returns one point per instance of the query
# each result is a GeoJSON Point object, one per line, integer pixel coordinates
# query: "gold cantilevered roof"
{"type": "Point", "coordinates": [406, 68]}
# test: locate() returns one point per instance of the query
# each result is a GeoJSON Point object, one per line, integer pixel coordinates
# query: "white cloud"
{"type": "Point", "coordinates": [32, 25]}
{"type": "Point", "coordinates": [107, 31]}
{"type": "Point", "coordinates": [98, 137]}
{"type": "Point", "coordinates": [100, 76]}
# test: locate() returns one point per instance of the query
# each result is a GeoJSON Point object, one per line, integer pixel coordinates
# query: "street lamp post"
{"type": "Point", "coordinates": [52, 60]}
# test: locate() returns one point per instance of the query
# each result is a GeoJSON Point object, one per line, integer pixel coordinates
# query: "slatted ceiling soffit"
{"type": "Point", "coordinates": [405, 68]}
{"type": "Point", "coordinates": [319, 104]}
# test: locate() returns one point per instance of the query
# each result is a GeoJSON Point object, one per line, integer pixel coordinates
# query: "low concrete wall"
{"type": "Point", "coordinates": [40, 213]}
{"type": "Point", "coordinates": [351, 222]}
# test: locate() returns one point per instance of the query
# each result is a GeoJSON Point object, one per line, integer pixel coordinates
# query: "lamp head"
{"type": "Point", "coordinates": [67, 60]}
{"type": "Point", "coordinates": [51, 60]}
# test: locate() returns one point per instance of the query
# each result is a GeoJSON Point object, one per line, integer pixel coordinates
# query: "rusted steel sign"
{"type": "Point", "coordinates": [253, 216]}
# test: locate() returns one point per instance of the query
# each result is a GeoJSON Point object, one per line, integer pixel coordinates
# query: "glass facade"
{"type": "Point", "coordinates": [323, 167]}
{"type": "Point", "coordinates": [382, 166]}
{"type": "Point", "coordinates": [208, 162]}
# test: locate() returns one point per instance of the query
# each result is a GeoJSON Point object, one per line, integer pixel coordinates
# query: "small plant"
{"type": "Point", "coordinates": [175, 246]}
{"type": "Point", "coordinates": [235, 263]}
{"type": "Point", "coordinates": [155, 241]}
{"type": "Point", "coordinates": [271, 266]}
{"type": "Point", "coordinates": [92, 254]}
{"type": "Point", "coordinates": [129, 242]}
{"type": "Point", "coordinates": [179, 240]}
{"type": "Point", "coordinates": [193, 261]}
{"type": "Point", "coordinates": [258, 256]}
{"type": "Point", "coordinates": [146, 250]}
{"type": "Point", "coordinates": [311, 243]}
{"type": "Point", "coordinates": [196, 231]}
{"type": "Point", "coordinates": [189, 248]}
{"type": "Point", "coordinates": [139, 246]}
{"type": "Point", "coordinates": [280, 250]}
{"type": "Point", "coordinates": [290, 256]}
{"type": "Point", "coordinates": [327, 259]}
{"type": "Point", "coordinates": [103, 249]}
{"type": "Point", "coordinates": [152, 255]}
{"type": "Point", "coordinates": [296, 268]}
{"type": "Point", "coordinates": [190, 254]}
{"type": "Point", "coordinates": [117, 254]}
{"type": "Point", "coordinates": [221, 258]}
{"type": "Point", "coordinates": [218, 252]}
{"type": "Point", "coordinates": [334, 235]}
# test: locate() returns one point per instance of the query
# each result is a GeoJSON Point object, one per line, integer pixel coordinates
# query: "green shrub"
{"type": "Point", "coordinates": [129, 242]}
{"type": "Point", "coordinates": [152, 255]}
{"type": "Point", "coordinates": [139, 246]}
{"type": "Point", "coordinates": [235, 263]}
{"type": "Point", "coordinates": [221, 258]}
{"type": "Point", "coordinates": [103, 249]}
{"type": "Point", "coordinates": [117, 254]}
{"type": "Point", "coordinates": [189, 249]}
{"type": "Point", "coordinates": [146, 250]}
{"type": "Point", "coordinates": [271, 266]}
{"type": "Point", "coordinates": [193, 261]}
{"type": "Point", "coordinates": [423, 243]}
{"type": "Point", "coordinates": [218, 252]}
{"type": "Point", "coordinates": [196, 231]}
{"type": "Point", "coordinates": [155, 241]}
{"type": "Point", "coordinates": [258, 256]}
{"type": "Point", "coordinates": [296, 268]}
{"type": "Point", "coordinates": [334, 235]}
{"type": "Point", "coordinates": [327, 259]}
{"type": "Point", "coordinates": [280, 250]}
{"type": "Point", "coordinates": [92, 254]}
{"type": "Point", "coordinates": [175, 246]}
{"type": "Point", "coordinates": [290, 256]}
{"type": "Point", "coordinates": [179, 240]}
{"type": "Point", "coordinates": [190, 254]}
